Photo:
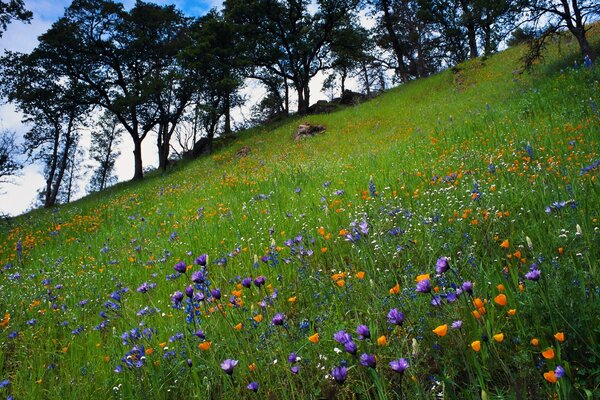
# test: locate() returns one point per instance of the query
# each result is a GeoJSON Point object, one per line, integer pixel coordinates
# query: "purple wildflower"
{"type": "Point", "coordinates": [189, 291]}
{"type": "Point", "coordinates": [534, 273]}
{"type": "Point", "coordinates": [198, 277]}
{"type": "Point", "coordinates": [342, 337]}
{"type": "Point", "coordinates": [467, 286]}
{"type": "Point", "coordinates": [177, 297]}
{"type": "Point", "coordinates": [295, 369]}
{"type": "Point", "coordinates": [395, 317]}
{"type": "Point", "coordinates": [278, 319]}
{"type": "Point", "coordinates": [253, 386]}
{"type": "Point", "coordinates": [247, 282]}
{"type": "Point", "coordinates": [442, 265]}
{"type": "Point", "coordinates": [216, 293]}
{"type": "Point", "coordinates": [201, 260]}
{"type": "Point", "coordinates": [350, 347]}
{"type": "Point", "coordinates": [228, 365]}
{"type": "Point", "coordinates": [180, 267]}
{"type": "Point", "coordinates": [456, 324]}
{"type": "Point", "coordinates": [340, 374]}
{"type": "Point", "coordinates": [368, 360]}
{"type": "Point", "coordinates": [424, 286]}
{"type": "Point", "coordinates": [363, 332]}
{"type": "Point", "coordinates": [399, 365]}
{"type": "Point", "coordinates": [559, 371]}
{"type": "Point", "coordinates": [259, 281]}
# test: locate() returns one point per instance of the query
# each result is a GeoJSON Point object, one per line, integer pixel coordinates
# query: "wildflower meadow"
{"type": "Point", "coordinates": [439, 241]}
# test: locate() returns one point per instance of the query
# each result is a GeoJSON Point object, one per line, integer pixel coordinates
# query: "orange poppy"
{"type": "Point", "coordinates": [204, 346]}
{"type": "Point", "coordinates": [314, 338]}
{"type": "Point", "coordinates": [500, 299]}
{"type": "Point", "coordinates": [422, 277]}
{"type": "Point", "coordinates": [360, 275]}
{"type": "Point", "coordinates": [560, 336]}
{"type": "Point", "coordinates": [476, 345]}
{"type": "Point", "coordinates": [505, 244]}
{"type": "Point", "coordinates": [548, 353]}
{"type": "Point", "coordinates": [239, 327]}
{"type": "Point", "coordinates": [512, 311]}
{"type": "Point", "coordinates": [441, 330]}
{"type": "Point", "coordinates": [258, 318]}
{"type": "Point", "coordinates": [499, 337]}
{"type": "Point", "coordinates": [550, 376]}
{"type": "Point", "coordinates": [534, 342]}
{"type": "Point", "coordinates": [382, 340]}
{"type": "Point", "coordinates": [395, 289]}
{"type": "Point", "coordinates": [292, 299]}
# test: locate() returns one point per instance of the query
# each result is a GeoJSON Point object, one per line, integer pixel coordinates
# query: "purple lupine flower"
{"type": "Point", "coordinates": [350, 347]}
{"type": "Point", "coordinates": [259, 281]}
{"type": "Point", "coordinates": [264, 259]}
{"type": "Point", "coordinates": [177, 297]}
{"type": "Point", "coordinates": [201, 260]}
{"type": "Point", "coordinates": [456, 324]}
{"type": "Point", "coordinates": [467, 286]}
{"type": "Point", "coordinates": [559, 371]}
{"type": "Point", "coordinates": [189, 362]}
{"type": "Point", "coordinates": [441, 265]}
{"type": "Point", "coordinates": [424, 286]}
{"type": "Point", "coordinates": [340, 374]}
{"type": "Point", "coordinates": [253, 386]}
{"type": "Point", "coordinates": [278, 319]}
{"type": "Point", "coordinates": [228, 365]}
{"type": "Point", "coordinates": [342, 337]}
{"type": "Point", "coordinates": [247, 282]}
{"type": "Point", "coordinates": [180, 267]}
{"type": "Point", "coordinates": [198, 277]}
{"type": "Point", "coordinates": [395, 317]}
{"type": "Point", "coordinates": [363, 332]}
{"type": "Point", "coordinates": [295, 369]}
{"type": "Point", "coordinates": [292, 358]}
{"type": "Point", "coordinates": [368, 360]}
{"type": "Point", "coordinates": [399, 365]}
{"type": "Point", "coordinates": [216, 293]}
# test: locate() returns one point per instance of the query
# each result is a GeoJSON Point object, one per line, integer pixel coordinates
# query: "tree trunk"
{"type": "Point", "coordinates": [287, 96]}
{"type": "Point", "coordinates": [472, 36]}
{"type": "Point", "coordinates": [396, 46]}
{"type": "Point", "coordinates": [365, 72]}
{"type": "Point", "coordinates": [227, 113]}
{"type": "Point", "coordinates": [137, 159]}
{"type": "Point", "coordinates": [303, 99]}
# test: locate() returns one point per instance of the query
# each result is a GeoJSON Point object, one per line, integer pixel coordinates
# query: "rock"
{"type": "Point", "coordinates": [351, 98]}
{"type": "Point", "coordinates": [243, 152]}
{"type": "Point", "coordinates": [322, 107]}
{"type": "Point", "coordinates": [307, 130]}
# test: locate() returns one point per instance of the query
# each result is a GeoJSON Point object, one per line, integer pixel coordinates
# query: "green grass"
{"type": "Point", "coordinates": [460, 165]}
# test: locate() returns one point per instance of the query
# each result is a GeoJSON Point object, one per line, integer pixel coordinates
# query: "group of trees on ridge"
{"type": "Point", "coordinates": [152, 71]}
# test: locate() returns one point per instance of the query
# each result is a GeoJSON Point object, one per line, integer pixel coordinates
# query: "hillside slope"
{"type": "Point", "coordinates": [479, 183]}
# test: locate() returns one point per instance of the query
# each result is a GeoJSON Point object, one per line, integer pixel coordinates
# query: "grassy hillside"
{"type": "Point", "coordinates": [456, 218]}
